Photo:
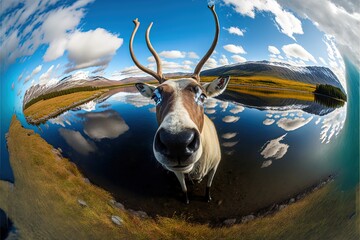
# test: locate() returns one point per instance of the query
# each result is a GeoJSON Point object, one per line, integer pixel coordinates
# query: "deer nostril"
{"type": "Point", "coordinates": [177, 145]}
{"type": "Point", "coordinates": [194, 144]}
{"type": "Point", "coordinates": [159, 145]}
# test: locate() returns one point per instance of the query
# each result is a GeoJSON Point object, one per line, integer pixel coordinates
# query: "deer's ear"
{"type": "Point", "coordinates": [216, 87]}
{"type": "Point", "coordinates": [145, 89]}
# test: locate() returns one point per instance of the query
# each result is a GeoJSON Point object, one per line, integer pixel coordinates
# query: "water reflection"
{"type": "Point", "coordinates": [88, 107]}
{"type": "Point", "coordinates": [274, 149]}
{"type": "Point", "coordinates": [61, 120]}
{"type": "Point", "coordinates": [230, 119]}
{"type": "Point", "coordinates": [76, 140]}
{"type": "Point", "coordinates": [134, 99]}
{"type": "Point", "coordinates": [107, 124]}
{"type": "Point", "coordinates": [332, 124]}
{"type": "Point", "coordinates": [229, 135]}
{"type": "Point", "coordinates": [254, 132]}
{"type": "Point", "coordinates": [268, 121]}
{"type": "Point", "coordinates": [237, 109]}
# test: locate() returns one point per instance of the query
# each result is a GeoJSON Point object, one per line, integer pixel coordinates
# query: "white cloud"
{"type": "Point", "coordinates": [339, 18]}
{"type": "Point", "coordinates": [335, 60]}
{"type": "Point", "coordinates": [33, 73]}
{"type": "Point", "coordinates": [168, 67]}
{"type": "Point", "coordinates": [34, 23]}
{"type": "Point", "coordinates": [275, 149]}
{"type": "Point", "coordinates": [172, 54]}
{"type": "Point", "coordinates": [322, 61]}
{"type": "Point", "coordinates": [223, 60]}
{"type": "Point", "coordinates": [94, 48]}
{"type": "Point", "coordinates": [286, 22]}
{"type": "Point", "coordinates": [192, 55]}
{"type": "Point", "coordinates": [20, 77]}
{"type": "Point", "coordinates": [296, 51]}
{"type": "Point", "coordinates": [187, 62]}
{"type": "Point", "coordinates": [151, 59]}
{"type": "Point", "coordinates": [46, 77]}
{"type": "Point", "coordinates": [234, 49]}
{"type": "Point", "coordinates": [238, 58]}
{"type": "Point", "coordinates": [210, 63]}
{"type": "Point", "coordinates": [172, 66]}
{"type": "Point", "coordinates": [36, 70]}
{"type": "Point", "coordinates": [235, 31]}
{"type": "Point", "coordinates": [132, 71]}
{"type": "Point", "coordinates": [273, 50]}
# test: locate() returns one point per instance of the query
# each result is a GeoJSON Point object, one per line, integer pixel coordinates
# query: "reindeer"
{"type": "Point", "coordinates": [186, 140]}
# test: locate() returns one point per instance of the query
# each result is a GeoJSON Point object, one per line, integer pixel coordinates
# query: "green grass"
{"type": "Point", "coordinates": [43, 205]}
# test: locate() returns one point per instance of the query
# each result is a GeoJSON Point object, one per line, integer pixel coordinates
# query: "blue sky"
{"type": "Point", "coordinates": [44, 40]}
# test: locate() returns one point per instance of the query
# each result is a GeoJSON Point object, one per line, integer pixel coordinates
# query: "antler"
{"type": "Point", "coordinates": [196, 74]}
{"type": "Point", "coordinates": [157, 75]}
{"type": "Point", "coordinates": [154, 53]}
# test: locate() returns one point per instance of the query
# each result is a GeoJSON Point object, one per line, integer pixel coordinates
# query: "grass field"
{"type": "Point", "coordinates": [267, 81]}
{"type": "Point", "coordinates": [51, 106]}
{"type": "Point", "coordinates": [43, 204]}
{"type": "Point", "coordinates": [274, 93]}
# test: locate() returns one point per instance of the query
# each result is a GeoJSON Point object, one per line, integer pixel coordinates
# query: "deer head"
{"type": "Point", "coordinates": [179, 108]}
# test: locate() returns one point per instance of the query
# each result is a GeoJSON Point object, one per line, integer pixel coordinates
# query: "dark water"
{"type": "Point", "coordinates": [272, 149]}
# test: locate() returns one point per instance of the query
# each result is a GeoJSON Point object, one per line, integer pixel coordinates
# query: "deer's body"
{"type": "Point", "coordinates": [211, 155]}
{"type": "Point", "coordinates": [186, 141]}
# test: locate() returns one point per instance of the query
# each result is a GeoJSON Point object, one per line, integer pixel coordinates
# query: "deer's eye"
{"type": "Point", "coordinates": [156, 97]}
{"type": "Point", "coordinates": [200, 97]}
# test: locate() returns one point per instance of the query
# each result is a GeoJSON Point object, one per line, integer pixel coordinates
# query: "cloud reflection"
{"type": "Point", "coordinates": [229, 135]}
{"type": "Point", "coordinates": [268, 121]}
{"type": "Point", "coordinates": [61, 120]}
{"type": "Point", "coordinates": [230, 119]}
{"type": "Point", "coordinates": [229, 144]}
{"type": "Point", "coordinates": [289, 124]}
{"type": "Point", "coordinates": [135, 99]}
{"type": "Point", "coordinates": [332, 124]}
{"type": "Point", "coordinates": [210, 111]}
{"type": "Point", "coordinates": [89, 106]}
{"type": "Point", "coordinates": [274, 149]}
{"type": "Point", "coordinates": [224, 105]}
{"type": "Point", "coordinates": [75, 140]}
{"type": "Point", "coordinates": [210, 103]}
{"type": "Point", "coordinates": [107, 124]}
{"type": "Point", "coordinates": [237, 109]}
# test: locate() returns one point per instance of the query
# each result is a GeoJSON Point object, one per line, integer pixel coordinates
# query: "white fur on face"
{"type": "Point", "coordinates": [177, 121]}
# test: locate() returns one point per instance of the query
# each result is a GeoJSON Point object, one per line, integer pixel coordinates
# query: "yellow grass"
{"type": "Point", "coordinates": [50, 106]}
{"type": "Point", "coordinates": [273, 93]}
{"type": "Point", "coordinates": [43, 205]}
{"type": "Point", "coordinates": [267, 81]}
